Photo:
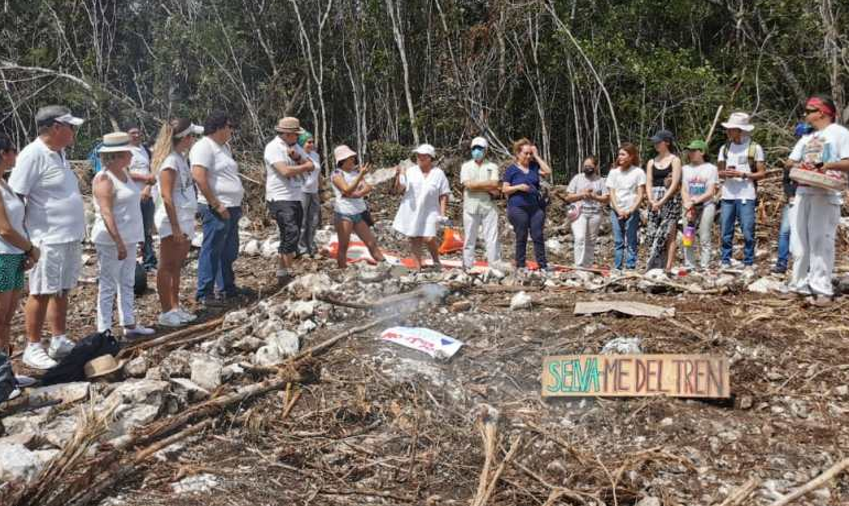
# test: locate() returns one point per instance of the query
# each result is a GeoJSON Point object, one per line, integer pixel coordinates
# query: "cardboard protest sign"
{"type": "Point", "coordinates": [434, 343]}
{"type": "Point", "coordinates": [635, 376]}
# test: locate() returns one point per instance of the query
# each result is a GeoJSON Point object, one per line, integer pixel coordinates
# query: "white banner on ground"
{"type": "Point", "coordinates": [434, 343]}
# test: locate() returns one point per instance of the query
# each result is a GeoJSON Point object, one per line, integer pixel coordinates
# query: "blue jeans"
{"type": "Point", "coordinates": [148, 208]}
{"type": "Point", "coordinates": [218, 252]}
{"type": "Point", "coordinates": [732, 211]}
{"type": "Point", "coordinates": [784, 239]}
{"type": "Point", "coordinates": [625, 238]}
{"type": "Point", "coordinates": [528, 219]}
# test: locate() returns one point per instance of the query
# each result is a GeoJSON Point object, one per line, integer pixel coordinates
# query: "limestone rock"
{"type": "Point", "coordinates": [281, 345]}
{"type": "Point", "coordinates": [206, 371]}
{"type": "Point", "coordinates": [521, 301]}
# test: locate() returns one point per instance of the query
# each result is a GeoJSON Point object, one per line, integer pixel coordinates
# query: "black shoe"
{"type": "Point", "coordinates": [779, 270]}
{"type": "Point", "coordinates": [210, 303]}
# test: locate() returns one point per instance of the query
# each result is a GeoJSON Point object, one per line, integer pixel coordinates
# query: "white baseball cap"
{"type": "Point", "coordinates": [480, 142]}
{"type": "Point", "coordinates": [425, 149]}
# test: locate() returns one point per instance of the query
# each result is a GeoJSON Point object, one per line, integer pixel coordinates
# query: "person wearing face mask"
{"type": "Point", "coordinates": [480, 183]}
{"type": "Point", "coordinates": [588, 191]}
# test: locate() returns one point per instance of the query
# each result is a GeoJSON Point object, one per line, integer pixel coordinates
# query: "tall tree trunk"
{"type": "Point", "coordinates": [395, 16]}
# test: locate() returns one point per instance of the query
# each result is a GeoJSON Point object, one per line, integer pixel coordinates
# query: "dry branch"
{"type": "Point", "coordinates": [814, 484]}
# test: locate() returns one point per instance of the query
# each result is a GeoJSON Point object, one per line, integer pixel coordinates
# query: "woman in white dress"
{"type": "Point", "coordinates": [176, 205]}
{"type": "Point", "coordinates": [116, 235]}
{"type": "Point", "coordinates": [424, 204]}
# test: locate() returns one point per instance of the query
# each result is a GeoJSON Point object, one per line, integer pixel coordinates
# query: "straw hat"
{"type": "Point", "coordinates": [102, 366]}
{"type": "Point", "coordinates": [739, 120]}
{"type": "Point", "coordinates": [115, 142]}
{"type": "Point", "coordinates": [288, 125]}
{"type": "Point", "coordinates": [343, 152]}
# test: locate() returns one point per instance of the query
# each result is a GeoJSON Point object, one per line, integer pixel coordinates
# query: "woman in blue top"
{"type": "Point", "coordinates": [525, 208]}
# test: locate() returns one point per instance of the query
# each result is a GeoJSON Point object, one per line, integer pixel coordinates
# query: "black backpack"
{"type": "Point", "coordinates": [72, 367]}
{"type": "Point", "coordinates": [7, 377]}
{"type": "Point", "coordinates": [140, 284]}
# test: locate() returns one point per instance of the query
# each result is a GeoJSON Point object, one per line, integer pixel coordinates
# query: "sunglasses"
{"type": "Point", "coordinates": [809, 110]}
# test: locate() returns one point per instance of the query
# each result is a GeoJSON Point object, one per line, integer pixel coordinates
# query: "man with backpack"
{"type": "Point", "coordinates": [741, 165]}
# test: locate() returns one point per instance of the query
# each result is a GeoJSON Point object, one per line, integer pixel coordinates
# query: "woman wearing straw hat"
{"type": "Point", "coordinates": [424, 204]}
{"type": "Point", "coordinates": [349, 187]}
{"type": "Point", "coordinates": [176, 204]}
{"type": "Point", "coordinates": [116, 235]}
{"type": "Point", "coordinates": [741, 164]}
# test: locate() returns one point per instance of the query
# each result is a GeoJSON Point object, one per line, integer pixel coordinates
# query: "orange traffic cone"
{"type": "Point", "coordinates": [451, 242]}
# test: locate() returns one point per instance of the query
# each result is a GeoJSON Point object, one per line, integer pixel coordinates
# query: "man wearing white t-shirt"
{"type": "Point", "coordinates": [741, 164]}
{"type": "Point", "coordinates": [55, 220]}
{"type": "Point", "coordinates": [216, 175]}
{"type": "Point", "coordinates": [480, 181]}
{"type": "Point", "coordinates": [144, 179]}
{"type": "Point", "coordinates": [817, 214]}
{"type": "Point", "coordinates": [286, 163]}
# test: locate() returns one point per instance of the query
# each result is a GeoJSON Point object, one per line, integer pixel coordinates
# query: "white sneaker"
{"type": "Point", "coordinates": [171, 319]}
{"type": "Point", "coordinates": [14, 394]}
{"type": "Point", "coordinates": [24, 381]}
{"type": "Point", "coordinates": [60, 346]}
{"type": "Point", "coordinates": [36, 358]}
{"type": "Point", "coordinates": [185, 315]}
{"type": "Point", "coordinates": [138, 331]}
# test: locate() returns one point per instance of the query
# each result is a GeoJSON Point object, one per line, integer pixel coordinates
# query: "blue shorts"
{"type": "Point", "coordinates": [353, 218]}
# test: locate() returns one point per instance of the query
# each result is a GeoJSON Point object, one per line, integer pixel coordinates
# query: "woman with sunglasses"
{"type": "Point", "coordinates": [176, 204]}
{"type": "Point", "coordinates": [525, 205]}
{"type": "Point", "coordinates": [587, 191]}
{"type": "Point", "coordinates": [817, 213]}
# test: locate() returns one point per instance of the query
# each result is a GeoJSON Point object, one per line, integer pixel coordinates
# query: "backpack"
{"type": "Point", "coordinates": [72, 367]}
{"type": "Point", "coordinates": [94, 158]}
{"type": "Point", "coordinates": [140, 283]}
{"type": "Point", "coordinates": [7, 378]}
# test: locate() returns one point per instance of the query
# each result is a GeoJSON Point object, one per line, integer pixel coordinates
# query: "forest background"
{"type": "Point", "coordinates": [576, 76]}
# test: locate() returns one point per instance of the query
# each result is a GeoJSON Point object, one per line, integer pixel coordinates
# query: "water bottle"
{"type": "Point", "coordinates": [689, 235]}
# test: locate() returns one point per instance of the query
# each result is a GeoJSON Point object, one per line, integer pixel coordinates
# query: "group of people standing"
{"type": "Point", "coordinates": [190, 172]}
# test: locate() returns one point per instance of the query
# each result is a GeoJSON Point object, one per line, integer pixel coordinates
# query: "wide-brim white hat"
{"type": "Point", "coordinates": [739, 120]}
{"type": "Point", "coordinates": [343, 152]}
{"type": "Point", "coordinates": [115, 142]}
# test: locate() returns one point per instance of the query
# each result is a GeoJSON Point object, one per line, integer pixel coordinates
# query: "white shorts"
{"type": "Point", "coordinates": [186, 226]}
{"type": "Point", "coordinates": [57, 270]}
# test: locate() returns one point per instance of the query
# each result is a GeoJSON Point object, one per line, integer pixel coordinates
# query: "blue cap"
{"type": "Point", "coordinates": [802, 128]}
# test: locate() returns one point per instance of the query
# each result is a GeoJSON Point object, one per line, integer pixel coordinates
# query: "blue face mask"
{"type": "Point", "coordinates": [477, 154]}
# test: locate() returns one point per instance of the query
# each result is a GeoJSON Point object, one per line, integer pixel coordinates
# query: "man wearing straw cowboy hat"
{"type": "Point", "coordinates": [55, 220]}
{"type": "Point", "coordinates": [741, 164]}
{"type": "Point", "coordinates": [817, 214]}
{"type": "Point", "coordinates": [480, 180]}
{"type": "Point", "coordinates": [285, 166]}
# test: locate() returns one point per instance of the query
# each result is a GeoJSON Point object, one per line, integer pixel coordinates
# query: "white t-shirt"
{"type": "Point", "coordinates": [222, 172]}
{"type": "Point", "coordinates": [311, 177]}
{"type": "Point", "coordinates": [625, 184]}
{"type": "Point", "coordinates": [15, 214]}
{"type": "Point", "coordinates": [140, 164]}
{"type": "Point", "coordinates": [126, 208]}
{"type": "Point", "coordinates": [54, 206]}
{"type": "Point", "coordinates": [738, 157]}
{"type": "Point", "coordinates": [343, 204]}
{"type": "Point", "coordinates": [830, 144]}
{"type": "Point", "coordinates": [581, 183]}
{"type": "Point", "coordinates": [699, 178]}
{"type": "Point", "coordinates": [183, 193]}
{"type": "Point", "coordinates": [277, 186]}
{"type": "Point", "coordinates": [419, 210]}
{"type": "Point", "coordinates": [473, 172]}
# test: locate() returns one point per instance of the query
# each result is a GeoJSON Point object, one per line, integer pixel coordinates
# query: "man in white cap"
{"type": "Point", "coordinates": [741, 164]}
{"type": "Point", "coordinates": [55, 219]}
{"type": "Point", "coordinates": [285, 166]}
{"type": "Point", "coordinates": [480, 181]}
